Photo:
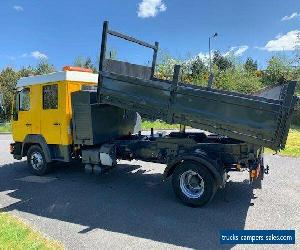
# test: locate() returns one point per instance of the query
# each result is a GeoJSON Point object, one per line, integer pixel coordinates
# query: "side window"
{"type": "Point", "coordinates": [24, 99]}
{"type": "Point", "coordinates": [50, 96]}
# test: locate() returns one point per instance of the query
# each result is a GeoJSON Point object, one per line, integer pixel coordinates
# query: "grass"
{"type": "Point", "coordinates": [15, 234]}
{"type": "Point", "coordinates": [292, 147]}
{"type": "Point", "coordinates": [147, 125]}
{"type": "Point", "coordinates": [5, 127]}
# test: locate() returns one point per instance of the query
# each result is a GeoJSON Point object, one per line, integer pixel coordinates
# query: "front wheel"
{"type": "Point", "coordinates": [36, 160]}
{"type": "Point", "coordinates": [193, 184]}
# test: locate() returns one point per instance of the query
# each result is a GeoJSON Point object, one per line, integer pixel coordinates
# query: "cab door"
{"type": "Point", "coordinates": [51, 113]}
{"type": "Point", "coordinates": [22, 117]}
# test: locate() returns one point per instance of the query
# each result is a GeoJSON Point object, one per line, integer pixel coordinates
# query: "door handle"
{"type": "Point", "coordinates": [56, 124]}
{"type": "Point", "coordinates": [28, 124]}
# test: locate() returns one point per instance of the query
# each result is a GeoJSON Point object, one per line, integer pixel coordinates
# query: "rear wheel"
{"type": "Point", "coordinates": [36, 160]}
{"type": "Point", "coordinates": [193, 184]}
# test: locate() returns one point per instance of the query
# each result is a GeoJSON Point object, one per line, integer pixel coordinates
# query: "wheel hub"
{"type": "Point", "coordinates": [36, 160]}
{"type": "Point", "coordinates": [192, 184]}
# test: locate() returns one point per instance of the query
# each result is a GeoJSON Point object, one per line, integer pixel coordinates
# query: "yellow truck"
{"type": "Point", "coordinates": [75, 115]}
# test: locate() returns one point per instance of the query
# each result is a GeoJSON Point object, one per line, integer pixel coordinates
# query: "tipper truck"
{"type": "Point", "coordinates": [75, 115]}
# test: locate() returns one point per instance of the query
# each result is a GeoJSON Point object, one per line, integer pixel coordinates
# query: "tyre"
{"type": "Point", "coordinates": [88, 168]}
{"type": "Point", "coordinates": [193, 184]}
{"type": "Point", "coordinates": [36, 160]}
{"type": "Point", "coordinates": [97, 170]}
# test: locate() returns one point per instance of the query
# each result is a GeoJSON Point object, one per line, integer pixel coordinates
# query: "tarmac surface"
{"type": "Point", "coordinates": [130, 206]}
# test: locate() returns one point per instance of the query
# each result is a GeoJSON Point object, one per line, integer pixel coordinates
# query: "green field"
{"type": "Point", "coordinates": [292, 147]}
{"type": "Point", "coordinates": [5, 127]}
{"type": "Point", "coordinates": [15, 234]}
{"type": "Point", "coordinates": [147, 125]}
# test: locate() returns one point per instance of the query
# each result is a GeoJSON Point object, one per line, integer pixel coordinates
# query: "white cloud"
{"type": "Point", "coordinates": [286, 42]}
{"type": "Point", "coordinates": [18, 8]}
{"type": "Point", "coordinates": [292, 16]}
{"type": "Point", "coordinates": [35, 54]}
{"type": "Point", "coordinates": [38, 55]}
{"type": "Point", "coordinates": [236, 50]}
{"type": "Point", "coordinates": [150, 8]}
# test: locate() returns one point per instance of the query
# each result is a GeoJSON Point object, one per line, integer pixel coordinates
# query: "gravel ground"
{"type": "Point", "coordinates": [130, 207]}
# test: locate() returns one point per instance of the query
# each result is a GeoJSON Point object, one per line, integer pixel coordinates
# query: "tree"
{"type": "Point", "coordinates": [2, 108]}
{"type": "Point", "coordinates": [43, 67]}
{"type": "Point", "coordinates": [297, 51]}
{"type": "Point", "coordinates": [221, 61]}
{"type": "Point", "coordinates": [26, 71]}
{"type": "Point", "coordinates": [165, 66]}
{"type": "Point", "coordinates": [197, 67]}
{"type": "Point", "coordinates": [85, 62]}
{"type": "Point", "coordinates": [237, 79]}
{"type": "Point", "coordinates": [8, 81]}
{"type": "Point", "coordinates": [250, 65]}
{"type": "Point", "coordinates": [277, 71]}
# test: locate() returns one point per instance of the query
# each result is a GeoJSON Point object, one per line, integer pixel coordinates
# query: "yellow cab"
{"type": "Point", "coordinates": [42, 113]}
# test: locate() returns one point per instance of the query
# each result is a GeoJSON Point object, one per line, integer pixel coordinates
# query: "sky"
{"type": "Point", "coordinates": [61, 31]}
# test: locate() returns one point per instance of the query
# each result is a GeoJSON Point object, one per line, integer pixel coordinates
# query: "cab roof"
{"type": "Point", "coordinates": [74, 76]}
